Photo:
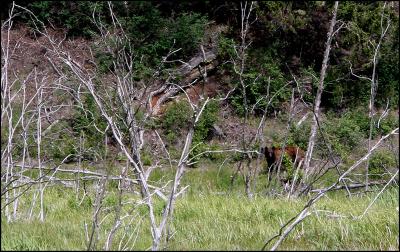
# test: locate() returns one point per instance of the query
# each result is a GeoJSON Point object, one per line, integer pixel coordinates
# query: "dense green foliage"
{"type": "Point", "coordinates": [343, 134]}
{"type": "Point", "coordinates": [380, 163]}
{"type": "Point", "coordinates": [83, 127]}
{"type": "Point", "coordinates": [290, 38]}
{"type": "Point", "coordinates": [202, 131]}
{"type": "Point", "coordinates": [287, 37]}
{"type": "Point", "coordinates": [287, 42]}
{"type": "Point", "coordinates": [175, 119]}
{"type": "Point", "coordinates": [347, 132]}
{"type": "Point", "coordinates": [178, 116]}
{"type": "Point", "coordinates": [206, 121]}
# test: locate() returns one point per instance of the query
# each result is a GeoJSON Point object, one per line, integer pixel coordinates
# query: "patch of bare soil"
{"type": "Point", "coordinates": [31, 62]}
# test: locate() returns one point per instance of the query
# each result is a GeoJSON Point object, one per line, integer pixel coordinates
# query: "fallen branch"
{"type": "Point", "coordinates": [95, 175]}
{"type": "Point", "coordinates": [351, 186]}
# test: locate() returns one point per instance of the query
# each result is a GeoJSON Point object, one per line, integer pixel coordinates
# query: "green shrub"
{"type": "Point", "coordinates": [343, 134]}
{"type": "Point", "coordinates": [203, 129]}
{"type": "Point", "coordinates": [187, 30]}
{"type": "Point", "coordinates": [388, 124]}
{"type": "Point", "coordinates": [206, 121]}
{"type": "Point", "coordinates": [287, 164]}
{"type": "Point", "coordinates": [146, 158]}
{"type": "Point", "coordinates": [289, 169]}
{"type": "Point", "coordinates": [154, 35]}
{"type": "Point", "coordinates": [359, 117]}
{"type": "Point", "coordinates": [226, 47]}
{"type": "Point", "coordinates": [299, 136]}
{"type": "Point", "coordinates": [263, 70]}
{"type": "Point", "coordinates": [380, 162]}
{"type": "Point", "coordinates": [75, 16]}
{"type": "Point", "coordinates": [175, 119]}
{"type": "Point", "coordinates": [82, 126]}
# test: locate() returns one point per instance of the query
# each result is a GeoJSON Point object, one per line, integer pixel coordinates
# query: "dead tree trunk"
{"type": "Point", "coordinates": [190, 72]}
{"type": "Point", "coordinates": [374, 86]}
{"type": "Point", "coordinates": [239, 65]}
{"type": "Point", "coordinates": [317, 103]}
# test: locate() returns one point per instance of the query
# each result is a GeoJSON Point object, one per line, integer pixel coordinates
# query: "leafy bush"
{"type": "Point", "coordinates": [388, 124]}
{"type": "Point", "coordinates": [289, 168]}
{"type": "Point", "coordinates": [226, 47]}
{"type": "Point", "coordinates": [379, 162]}
{"type": "Point", "coordinates": [203, 129]}
{"type": "Point", "coordinates": [187, 29]}
{"type": "Point", "coordinates": [83, 125]}
{"type": "Point", "coordinates": [299, 136]}
{"type": "Point", "coordinates": [75, 16]}
{"type": "Point", "coordinates": [263, 71]}
{"type": "Point", "coordinates": [176, 118]}
{"type": "Point", "coordinates": [154, 35]}
{"type": "Point", "coordinates": [359, 117]}
{"type": "Point", "coordinates": [343, 133]}
{"type": "Point", "coordinates": [287, 164]}
{"type": "Point", "coordinates": [63, 145]}
{"type": "Point", "coordinates": [206, 121]}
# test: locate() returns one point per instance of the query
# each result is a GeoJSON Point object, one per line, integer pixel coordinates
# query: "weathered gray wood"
{"type": "Point", "coordinates": [196, 61]}
{"type": "Point", "coordinates": [189, 73]}
{"type": "Point", "coordinates": [217, 131]}
{"type": "Point", "coordinates": [351, 186]}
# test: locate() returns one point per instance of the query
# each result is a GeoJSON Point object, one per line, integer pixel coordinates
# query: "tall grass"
{"type": "Point", "coordinates": [209, 217]}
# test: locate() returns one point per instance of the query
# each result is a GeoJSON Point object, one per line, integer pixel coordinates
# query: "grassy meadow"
{"type": "Point", "coordinates": [211, 215]}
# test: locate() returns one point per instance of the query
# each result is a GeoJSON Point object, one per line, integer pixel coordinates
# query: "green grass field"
{"type": "Point", "coordinates": [210, 216]}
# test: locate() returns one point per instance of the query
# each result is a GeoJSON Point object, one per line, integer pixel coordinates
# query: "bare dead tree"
{"type": "Point", "coordinates": [6, 112]}
{"type": "Point", "coordinates": [16, 119]}
{"type": "Point", "coordinates": [239, 66]}
{"type": "Point", "coordinates": [317, 102]}
{"type": "Point", "coordinates": [39, 105]}
{"type": "Point", "coordinates": [100, 192]}
{"type": "Point", "coordinates": [120, 112]}
{"type": "Point", "coordinates": [374, 84]}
